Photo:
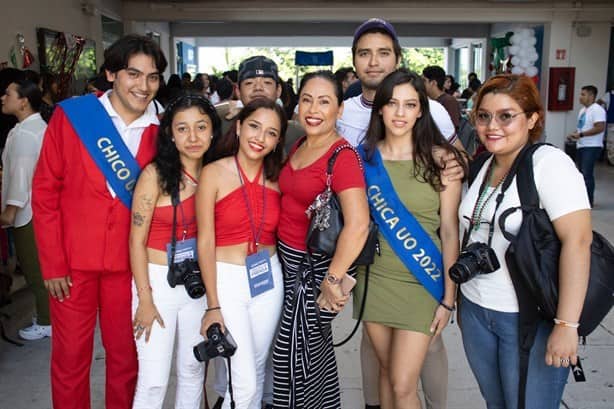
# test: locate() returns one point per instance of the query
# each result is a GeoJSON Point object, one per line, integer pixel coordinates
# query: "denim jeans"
{"type": "Point", "coordinates": [490, 339]}
{"type": "Point", "coordinates": [585, 160]}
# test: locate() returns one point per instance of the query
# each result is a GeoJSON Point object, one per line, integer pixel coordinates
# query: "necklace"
{"type": "Point", "coordinates": [189, 179]}
{"type": "Point", "coordinates": [483, 199]}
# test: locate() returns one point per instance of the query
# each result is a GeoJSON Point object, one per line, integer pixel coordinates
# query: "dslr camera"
{"type": "Point", "coordinates": [187, 273]}
{"type": "Point", "coordinates": [476, 258]}
{"type": "Point", "coordinates": [217, 344]}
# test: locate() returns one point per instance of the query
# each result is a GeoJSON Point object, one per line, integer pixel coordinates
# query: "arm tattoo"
{"type": "Point", "coordinates": [146, 202]}
{"type": "Point", "coordinates": [138, 219]}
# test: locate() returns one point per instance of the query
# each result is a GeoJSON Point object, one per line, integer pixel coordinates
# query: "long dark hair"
{"type": "Point", "coordinates": [229, 145]}
{"type": "Point", "coordinates": [167, 160]}
{"type": "Point", "coordinates": [426, 135]}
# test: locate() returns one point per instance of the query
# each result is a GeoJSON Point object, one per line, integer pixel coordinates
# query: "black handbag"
{"type": "Point", "coordinates": [327, 220]}
{"type": "Point", "coordinates": [533, 254]}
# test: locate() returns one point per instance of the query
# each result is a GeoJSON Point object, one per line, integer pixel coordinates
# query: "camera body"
{"type": "Point", "coordinates": [187, 273]}
{"type": "Point", "coordinates": [217, 344]}
{"type": "Point", "coordinates": [476, 258]}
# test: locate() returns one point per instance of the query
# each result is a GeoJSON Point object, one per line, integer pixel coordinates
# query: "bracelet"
{"type": "Point", "coordinates": [566, 323]}
{"type": "Point", "coordinates": [213, 309]}
{"type": "Point", "coordinates": [581, 134]}
{"type": "Point", "coordinates": [447, 307]}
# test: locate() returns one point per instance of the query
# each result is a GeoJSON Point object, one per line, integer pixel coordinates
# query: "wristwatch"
{"type": "Point", "coordinates": [580, 135]}
{"type": "Point", "coordinates": [332, 279]}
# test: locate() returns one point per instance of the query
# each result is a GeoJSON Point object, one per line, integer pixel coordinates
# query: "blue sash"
{"type": "Point", "coordinates": [106, 147]}
{"type": "Point", "coordinates": [410, 242]}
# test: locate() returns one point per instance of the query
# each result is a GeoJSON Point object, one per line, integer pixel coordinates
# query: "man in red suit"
{"type": "Point", "coordinates": [82, 220]}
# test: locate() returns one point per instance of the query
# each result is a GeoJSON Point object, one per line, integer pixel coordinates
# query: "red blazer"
{"type": "Point", "coordinates": [78, 225]}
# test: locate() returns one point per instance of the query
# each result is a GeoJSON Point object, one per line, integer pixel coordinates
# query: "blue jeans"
{"type": "Point", "coordinates": [490, 339]}
{"type": "Point", "coordinates": [585, 160]}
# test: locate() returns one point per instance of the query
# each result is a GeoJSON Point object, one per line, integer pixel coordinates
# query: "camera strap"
{"type": "Point", "coordinates": [232, 399]}
{"type": "Point", "coordinates": [175, 203]}
{"type": "Point", "coordinates": [503, 184]}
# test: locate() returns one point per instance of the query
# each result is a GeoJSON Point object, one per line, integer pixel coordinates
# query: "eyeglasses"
{"type": "Point", "coordinates": [504, 118]}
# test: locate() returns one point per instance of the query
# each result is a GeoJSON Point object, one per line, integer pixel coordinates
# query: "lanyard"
{"type": "Point", "coordinates": [481, 203]}
{"type": "Point", "coordinates": [253, 246]}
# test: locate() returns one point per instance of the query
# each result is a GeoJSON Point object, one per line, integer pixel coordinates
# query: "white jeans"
{"type": "Point", "coordinates": [182, 317]}
{"type": "Point", "coordinates": [252, 322]}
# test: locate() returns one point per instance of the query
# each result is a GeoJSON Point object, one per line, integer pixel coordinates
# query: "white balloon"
{"type": "Point", "coordinates": [533, 57]}
{"type": "Point", "coordinates": [531, 71]}
{"type": "Point", "coordinates": [515, 60]}
{"type": "Point", "coordinates": [524, 63]}
{"type": "Point", "coordinates": [532, 40]}
{"type": "Point", "coordinates": [517, 70]}
{"type": "Point", "coordinates": [515, 39]}
{"type": "Point", "coordinates": [528, 32]}
{"type": "Point", "coordinates": [514, 49]}
{"type": "Point", "coordinates": [523, 52]}
{"type": "Point", "coordinates": [524, 43]}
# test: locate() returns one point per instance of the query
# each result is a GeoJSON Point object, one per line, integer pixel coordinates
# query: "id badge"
{"type": "Point", "coordinates": [184, 249]}
{"type": "Point", "coordinates": [259, 272]}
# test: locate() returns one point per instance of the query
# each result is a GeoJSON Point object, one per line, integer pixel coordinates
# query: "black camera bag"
{"type": "Point", "coordinates": [534, 255]}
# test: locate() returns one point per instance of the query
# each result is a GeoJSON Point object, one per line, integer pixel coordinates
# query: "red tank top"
{"type": "Point", "coordinates": [232, 221]}
{"type": "Point", "coordinates": [162, 224]}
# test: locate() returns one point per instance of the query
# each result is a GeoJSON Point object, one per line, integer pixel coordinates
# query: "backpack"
{"type": "Point", "coordinates": [534, 255]}
{"type": "Point", "coordinates": [468, 136]}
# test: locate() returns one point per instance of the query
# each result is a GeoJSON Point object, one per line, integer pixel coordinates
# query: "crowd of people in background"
{"type": "Point", "coordinates": [170, 210]}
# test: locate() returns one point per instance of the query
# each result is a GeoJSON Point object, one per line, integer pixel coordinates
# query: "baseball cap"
{"type": "Point", "coordinates": [375, 23]}
{"type": "Point", "coordinates": [258, 66]}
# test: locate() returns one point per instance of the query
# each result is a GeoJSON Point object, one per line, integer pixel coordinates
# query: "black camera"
{"type": "Point", "coordinates": [477, 258]}
{"type": "Point", "coordinates": [217, 344]}
{"type": "Point", "coordinates": [187, 273]}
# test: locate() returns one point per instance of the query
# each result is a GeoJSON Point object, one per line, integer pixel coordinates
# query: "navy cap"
{"type": "Point", "coordinates": [378, 24]}
{"type": "Point", "coordinates": [258, 66]}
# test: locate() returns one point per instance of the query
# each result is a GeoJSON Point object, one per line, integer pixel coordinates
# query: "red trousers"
{"type": "Point", "coordinates": [74, 321]}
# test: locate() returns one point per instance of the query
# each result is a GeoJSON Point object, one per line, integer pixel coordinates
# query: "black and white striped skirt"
{"type": "Point", "coordinates": [304, 365]}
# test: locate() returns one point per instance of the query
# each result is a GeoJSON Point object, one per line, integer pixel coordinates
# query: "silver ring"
{"type": "Point", "coordinates": [564, 360]}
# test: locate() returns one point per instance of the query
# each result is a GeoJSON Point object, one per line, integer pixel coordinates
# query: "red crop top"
{"type": "Point", "coordinates": [232, 224]}
{"type": "Point", "coordinates": [162, 224]}
{"type": "Point", "coordinates": [300, 187]}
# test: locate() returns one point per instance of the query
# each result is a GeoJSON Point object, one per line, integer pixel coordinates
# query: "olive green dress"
{"type": "Point", "coordinates": [395, 297]}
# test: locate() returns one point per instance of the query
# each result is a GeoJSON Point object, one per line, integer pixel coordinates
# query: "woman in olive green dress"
{"type": "Point", "coordinates": [401, 316]}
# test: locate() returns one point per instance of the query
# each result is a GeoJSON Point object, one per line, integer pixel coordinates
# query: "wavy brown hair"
{"type": "Point", "coordinates": [426, 134]}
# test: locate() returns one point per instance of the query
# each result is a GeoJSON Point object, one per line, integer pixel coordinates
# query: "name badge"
{"type": "Point", "coordinates": [259, 272]}
{"type": "Point", "coordinates": [184, 249]}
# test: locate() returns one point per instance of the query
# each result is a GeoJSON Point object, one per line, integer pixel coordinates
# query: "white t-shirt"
{"type": "Point", "coordinates": [587, 117]}
{"type": "Point", "coordinates": [23, 145]}
{"type": "Point", "coordinates": [354, 122]}
{"type": "Point", "coordinates": [561, 190]}
{"type": "Point", "coordinates": [130, 134]}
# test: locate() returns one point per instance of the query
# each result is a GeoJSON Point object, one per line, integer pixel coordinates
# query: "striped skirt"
{"type": "Point", "coordinates": [304, 365]}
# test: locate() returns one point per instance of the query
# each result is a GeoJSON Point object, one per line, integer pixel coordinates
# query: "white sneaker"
{"type": "Point", "coordinates": [35, 331]}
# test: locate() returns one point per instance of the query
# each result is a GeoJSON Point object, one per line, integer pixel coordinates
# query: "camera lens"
{"type": "Point", "coordinates": [459, 272]}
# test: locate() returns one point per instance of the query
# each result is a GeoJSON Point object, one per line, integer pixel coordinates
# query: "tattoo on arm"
{"type": "Point", "coordinates": [146, 202]}
{"type": "Point", "coordinates": [138, 219]}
